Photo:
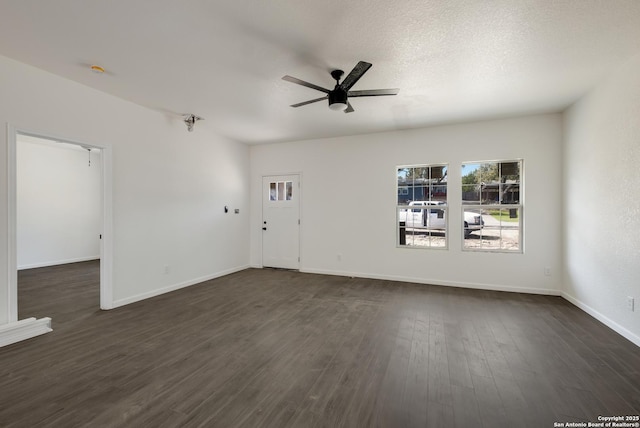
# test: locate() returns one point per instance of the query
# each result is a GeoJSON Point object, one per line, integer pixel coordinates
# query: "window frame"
{"type": "Point", "coordinates": [519, 206]}
{"type": "Point", "coordinates": [277, 188]}
{"type": "Point", "coordinates": [434, 205]}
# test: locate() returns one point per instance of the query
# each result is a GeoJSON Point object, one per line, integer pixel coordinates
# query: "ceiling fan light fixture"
{"type": "Point", "coordinates": [338, 99]}
{"type": "Point", "coordinates": [338, 106]}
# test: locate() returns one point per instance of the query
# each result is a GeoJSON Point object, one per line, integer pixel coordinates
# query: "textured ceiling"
{"type": "Point", "coordinates": [224, 60]}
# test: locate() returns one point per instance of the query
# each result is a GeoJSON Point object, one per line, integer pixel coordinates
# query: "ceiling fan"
{"type": "Point", "coordinates": [339, 96]}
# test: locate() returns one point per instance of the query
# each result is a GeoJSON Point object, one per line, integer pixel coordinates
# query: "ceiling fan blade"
{"type": "Point", "coordinates": [307, 84]}
{"type": "Point", "coordinates": [357, 72]}
{"type": "Point", "coordinates": [304, 103]}
{"type": "Point", "coordinates": [349, 109]}
{"type": "Point", "coordinates": [373, 92]}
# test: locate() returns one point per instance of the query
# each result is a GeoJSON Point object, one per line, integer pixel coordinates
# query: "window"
{"type": "Point", "coordinates": [280, 190]}
{"type": "Point", "coordinates": [492, 206]}
{"type": "Point", "coordinates": [421, 208]}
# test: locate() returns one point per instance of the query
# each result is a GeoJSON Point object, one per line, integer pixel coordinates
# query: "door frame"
{"type": "Point", "coordinates": [106, 243]}
{"type": "Point", "coordinates": [262, 177]}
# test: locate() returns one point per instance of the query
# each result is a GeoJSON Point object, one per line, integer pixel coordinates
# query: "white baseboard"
{"type": "Point", "coordinates": [478, 286]}
{"type": "Point", "coordinates": [57, 262]}
{"type": "Point", "coordinates": [24, 329]}
{"type": "Point", "coordinates": [147, 295]}
{"type": "Point", "coordinates": [603, 319]}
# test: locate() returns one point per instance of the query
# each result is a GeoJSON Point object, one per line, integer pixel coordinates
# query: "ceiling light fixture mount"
{"type": "Point", "coordinates": [190, 120]}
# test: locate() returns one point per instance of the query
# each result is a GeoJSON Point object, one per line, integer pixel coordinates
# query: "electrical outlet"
{"type": "Point", "coordinates": [339, 257]}
{"type": "Point", "coordinates": [167, 269]}
{"type": "Point", "coordinates": [547, 271]}
{"type": "Point", "coordinates": [630, 303]}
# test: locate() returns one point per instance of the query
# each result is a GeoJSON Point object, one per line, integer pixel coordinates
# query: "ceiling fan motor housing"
{"type": "Point", "coordinates": [338, 96]}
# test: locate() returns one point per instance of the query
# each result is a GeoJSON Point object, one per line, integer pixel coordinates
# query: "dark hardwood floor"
{"type": "Point", "coordinates": [271, 348]}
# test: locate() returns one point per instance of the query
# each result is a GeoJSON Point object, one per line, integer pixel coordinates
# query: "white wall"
{"type": "Point", "coordinates": [169, 186]}
{"type": "Point", "coordinates": [349, 196]}
{"type": "Point", "coordinates": [602, 200]}
{"type": "Point", "coordinates": [59, 203]}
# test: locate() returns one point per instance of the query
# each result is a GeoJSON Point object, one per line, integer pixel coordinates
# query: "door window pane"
{"type": "Point", "coordinates": [281, 191]}
{"type": "Point", "coordinates": [289, 187]}
{"type": "Point", "coordinates": [273, 192]}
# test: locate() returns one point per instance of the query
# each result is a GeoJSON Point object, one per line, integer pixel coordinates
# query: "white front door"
{"type": "Point", "coordinates": [281, 221]}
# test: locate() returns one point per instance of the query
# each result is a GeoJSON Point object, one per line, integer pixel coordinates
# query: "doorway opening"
{"type": "Point", "coordinates": [59, 211]}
